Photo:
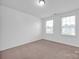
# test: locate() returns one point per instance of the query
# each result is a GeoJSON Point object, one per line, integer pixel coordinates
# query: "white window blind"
{"type": "Point", "coordinates": [68, 25]}
{"type": "Point", "coordinates": [49, 26]}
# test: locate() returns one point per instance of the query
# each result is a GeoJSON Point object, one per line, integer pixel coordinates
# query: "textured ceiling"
{"type": "Point", "coordinates": [51, 6]}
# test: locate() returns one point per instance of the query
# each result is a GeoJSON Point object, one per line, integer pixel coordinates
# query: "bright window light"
{"type": "Point", "coordinates": [49, 26]}
{"type": "Point", "coordinates": [68, 25]}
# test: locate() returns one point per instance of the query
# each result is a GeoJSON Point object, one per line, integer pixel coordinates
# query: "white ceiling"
{"type": "Point", "coordinates": [51, 7]}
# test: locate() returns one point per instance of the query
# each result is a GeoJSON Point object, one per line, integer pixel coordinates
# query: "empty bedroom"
{"type": "Point", "coordinates": [39, 29]}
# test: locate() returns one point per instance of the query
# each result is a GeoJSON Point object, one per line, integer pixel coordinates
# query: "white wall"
{"type": "Point", "coordinates": [17, 28]}
{"type": "Point", "coordinates": [56, 36]}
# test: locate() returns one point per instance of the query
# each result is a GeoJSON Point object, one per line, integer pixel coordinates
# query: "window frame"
{"type": "Point", "coordinates": [74, 26]}
{"type": "Point", "coordinates": [50, 27]}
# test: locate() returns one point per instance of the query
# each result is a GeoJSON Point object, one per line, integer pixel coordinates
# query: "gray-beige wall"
{"type": "Point", "coordinates": [17, 28]}
{"type": "Point", "coordinates": [57, 36]}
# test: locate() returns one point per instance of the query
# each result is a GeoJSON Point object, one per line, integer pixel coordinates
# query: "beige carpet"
{"type": "Point", "coordinates": [42, 49]}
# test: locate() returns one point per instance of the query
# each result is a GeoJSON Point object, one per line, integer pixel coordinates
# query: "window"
{"type": "Point", "coordinates": [68, 25]}
{"type": "Point", "coordinates": [49, 26]}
